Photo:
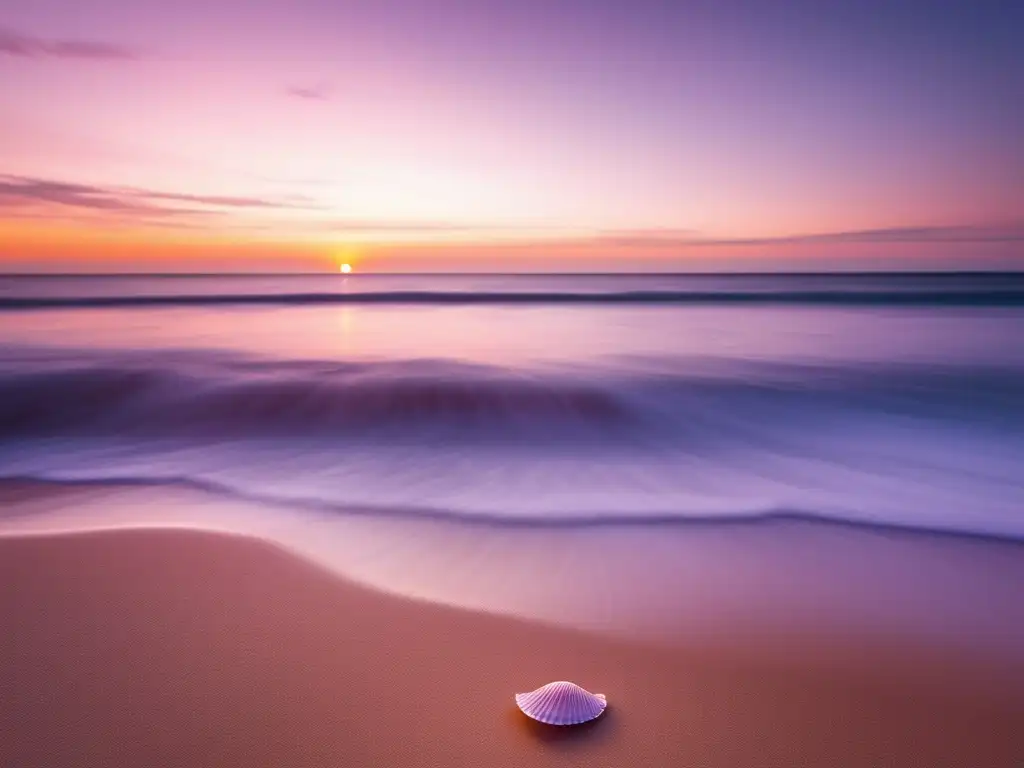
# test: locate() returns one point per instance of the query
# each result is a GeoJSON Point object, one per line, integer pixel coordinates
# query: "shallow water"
{"type": "Point", "coordinates": [763, 584]}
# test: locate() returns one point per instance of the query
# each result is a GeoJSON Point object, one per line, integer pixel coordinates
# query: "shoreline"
{"type": "Point", "coordinates": [30, 486]}
{"type": "Point", "coordinates": [939, 596]}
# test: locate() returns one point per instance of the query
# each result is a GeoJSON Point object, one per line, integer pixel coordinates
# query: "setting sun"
{"type": "Point", "coordinates": [346, 268]}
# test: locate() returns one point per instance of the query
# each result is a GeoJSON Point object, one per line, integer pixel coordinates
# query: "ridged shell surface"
{"type": "Point", "coordinates": [561, 703]}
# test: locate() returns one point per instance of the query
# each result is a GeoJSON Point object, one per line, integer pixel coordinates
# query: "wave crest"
{"type": "Point", "coordinates": [956, 297]}
{"type": "Point", "coordinates": [262, 401]}
{"type": "Point", "coordinates": [206, 395]}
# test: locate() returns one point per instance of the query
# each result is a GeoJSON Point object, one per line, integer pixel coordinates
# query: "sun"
{"type": "Point", "coordinates": [345, 258]}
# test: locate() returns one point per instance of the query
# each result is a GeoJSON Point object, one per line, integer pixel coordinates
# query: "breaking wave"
{"type": "Point", "coordinates": [205, 395]}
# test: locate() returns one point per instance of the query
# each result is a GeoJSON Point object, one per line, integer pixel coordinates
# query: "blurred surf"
{"type": "Point", "coordinates": [898, 414]}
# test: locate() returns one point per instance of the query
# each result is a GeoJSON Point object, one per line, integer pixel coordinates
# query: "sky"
{"type": "Point", "coordinates": [531, 135]}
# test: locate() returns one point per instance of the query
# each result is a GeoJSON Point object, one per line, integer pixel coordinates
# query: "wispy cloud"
{"type": "Point", "coordinates": [970, 233]}
{"type": "Point", "coordinates": [19, 191]}
{"type": "Point", "coordinates": [227, 201]}
{"type": "Point", "coordinates": [36, 198]}
{"type": "Point", "coordinates": [967, 233]}
{"type": "Point", "coordinates": [29, 47]}
{"type": "Point", "coordinates": [309, 92]}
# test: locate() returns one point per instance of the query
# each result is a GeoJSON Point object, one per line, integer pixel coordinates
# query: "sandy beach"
{"type": "Point", "coordinates": [179, 648]}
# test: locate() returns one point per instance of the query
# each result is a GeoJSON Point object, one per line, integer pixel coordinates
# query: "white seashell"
{"type": "Point", "coordinates": [562, 703]}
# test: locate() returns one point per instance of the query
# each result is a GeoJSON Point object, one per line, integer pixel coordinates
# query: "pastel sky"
{"type": "Point", "coordinates": [524, 135]}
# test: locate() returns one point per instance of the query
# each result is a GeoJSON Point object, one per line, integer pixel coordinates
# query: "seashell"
{"type": "Point", "coordinates": [562, 703]}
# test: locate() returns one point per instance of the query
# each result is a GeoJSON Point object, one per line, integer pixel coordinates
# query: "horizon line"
{"type": "Point", "coordinates": [723, 273]}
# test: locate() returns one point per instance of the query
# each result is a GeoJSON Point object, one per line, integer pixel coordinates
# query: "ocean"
{"type": "Point", "coordinates": [528, 408]}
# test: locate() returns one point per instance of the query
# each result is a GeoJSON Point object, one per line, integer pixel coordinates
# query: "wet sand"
{"type": "Point", "coordinates": [178, 648]}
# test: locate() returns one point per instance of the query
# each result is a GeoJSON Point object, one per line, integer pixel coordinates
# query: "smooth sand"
{"type": "Point", "coordinates": [184, 649]}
